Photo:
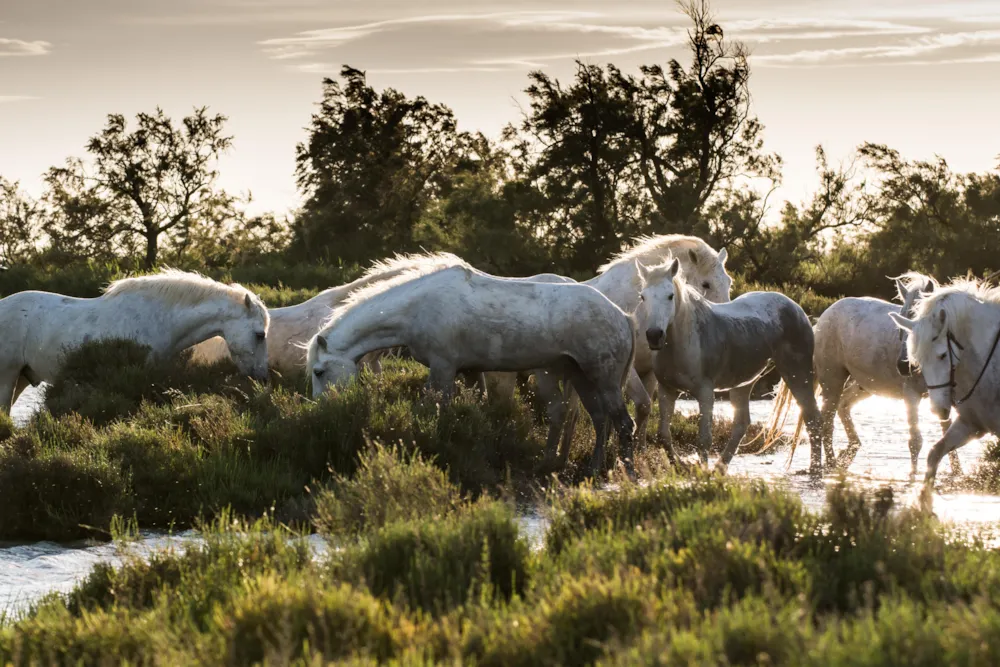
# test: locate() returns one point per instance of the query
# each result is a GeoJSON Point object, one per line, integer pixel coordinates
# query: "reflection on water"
{"type": "Point", "coordinates": [29, 571]}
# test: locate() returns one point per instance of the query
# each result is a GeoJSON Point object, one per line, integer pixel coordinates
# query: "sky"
{"type": "Point", "coordinates": [918, 75]}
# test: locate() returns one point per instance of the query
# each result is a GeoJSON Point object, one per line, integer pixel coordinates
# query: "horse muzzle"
{"type": "Point", "coordinates": [941, 413]}
{"type": "Point", "coordinates": [655, 337]}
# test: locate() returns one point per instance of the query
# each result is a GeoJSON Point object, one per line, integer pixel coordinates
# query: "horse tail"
{"type": "Point", "coordinates": [779, 417]}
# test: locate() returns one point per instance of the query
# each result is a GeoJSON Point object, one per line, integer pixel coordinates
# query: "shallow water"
{"type": "Point", "coordinates": [29, 571]}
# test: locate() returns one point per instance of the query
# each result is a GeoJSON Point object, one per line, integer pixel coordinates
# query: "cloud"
{"type": "Point", "coordinates": [7, 99]}
{"type": "Point", "coordinates": [19, 47]}
{"type": "Point", "coordinates": [905, 52]}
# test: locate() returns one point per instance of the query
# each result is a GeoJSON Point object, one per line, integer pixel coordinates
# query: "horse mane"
{"type": "Point", "coordinates": [408, 268]}
{"type": "Point", "coordinates": [652, 247]}
{"type": "Point", "coordinates": [178, 288]}
{"type": "Point", "coordinates": [914, 279]}
{"type": "Point", "coordinates": [382, 269]}
{"type": "Point", "coordinates": [688, 296]}
{"type": "Point", "coordinates": [955, 299]}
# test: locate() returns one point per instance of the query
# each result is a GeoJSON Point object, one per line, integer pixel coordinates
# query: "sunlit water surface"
{"type": "Point", "coordinates": [31, 570]}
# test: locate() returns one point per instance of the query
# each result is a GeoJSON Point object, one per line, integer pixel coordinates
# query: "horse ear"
{"type": "Point", "coordinates": [321, 342]}
{"type": "Point", "coordinates": [693, 255]}
{"type": "Point", "coordinates": [902, 322]}
{"type": "Point", "coordinates": [247, 301]}
{"type": "Point", "coordinates": [641, 268]}
{"type": "Point", "coordinates": [900, 289]}
{"type": "Point", "coordinates": [674, 267]}
{"type": "Point", "coordinates": [928, 287]}
{"type": "Point", "coordinates": [723, 256]}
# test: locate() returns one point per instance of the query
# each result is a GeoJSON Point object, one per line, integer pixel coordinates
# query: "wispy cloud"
{"type": "Point", "coordinates": [7, 99]}
{"type": "Point", "coordinates": [834, 40]}
{"type": "Point", "coordinates": [905, 52]}
{"type": "Point", "coordinates": [19, 47]}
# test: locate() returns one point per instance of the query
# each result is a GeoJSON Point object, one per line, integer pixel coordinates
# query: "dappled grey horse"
{"type": "Point", "coordinates": [700, 346]}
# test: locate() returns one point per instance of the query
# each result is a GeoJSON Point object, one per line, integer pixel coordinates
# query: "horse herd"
{"type": "Point", "coordinates": [656, 321]}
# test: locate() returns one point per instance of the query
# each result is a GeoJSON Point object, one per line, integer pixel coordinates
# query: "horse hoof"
{"type": "Point", "coordinates": [722, 468]}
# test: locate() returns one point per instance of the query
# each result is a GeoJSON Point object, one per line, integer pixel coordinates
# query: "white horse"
{"type": "Point", "coordinates": [699, 346]}
{"type": "Point", "coordinates": [293, 326]}
{"type": "Point", "coordinates": [857, 351]}
{"type": "Point", "coordinates": [452, 318]}
{"type": "Point", "coordinates": [168, 311]}
{"type": "Point", "coordinates": [621, 280]}
{"type": "Point", "coordinates": [953, 340]}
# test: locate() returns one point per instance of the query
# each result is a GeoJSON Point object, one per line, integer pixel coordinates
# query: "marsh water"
{"type": "Point", "coordinates": [28, 571]}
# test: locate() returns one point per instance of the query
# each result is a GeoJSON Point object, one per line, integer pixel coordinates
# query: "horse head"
{"type": "Point", "coordinates": [657, 303]}
{"type": "Point", "coordinates": [246, 336]}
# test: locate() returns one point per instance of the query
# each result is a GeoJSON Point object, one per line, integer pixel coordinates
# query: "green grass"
{"type": "Point", "coordinates": [700, 570]}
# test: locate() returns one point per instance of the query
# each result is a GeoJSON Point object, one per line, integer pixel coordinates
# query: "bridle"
{"type": "Point", "coordinates": [950, 384]}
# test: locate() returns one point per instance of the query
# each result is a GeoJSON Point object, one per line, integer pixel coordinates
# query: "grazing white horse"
{"type": "Point", "coordinates": [621, 280]}
{"type": "Point", "coordinates": [293, 326]}
{"type": "Point", "coordinates": [453, 318]}
{"type": "Point", "coordinates": [168, 311]}
{"type": "Point", "coordinates": [953, 340]}
{"type": "Point", "coordinates": [699, 346]}
{"type": "Point", "coordinates": [857, 350]}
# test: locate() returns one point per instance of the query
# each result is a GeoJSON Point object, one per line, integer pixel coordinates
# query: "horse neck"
{"type": "Point", "coordinates": [372, 325]}
{"type": "Point", "coordinates": [685, 321]}
{"type": "Point", "coordinates": [201, 321]}
{"type": "Point", "coordinates": [620, 284]}
{"type": "Point", "coordinates": [983, 322]}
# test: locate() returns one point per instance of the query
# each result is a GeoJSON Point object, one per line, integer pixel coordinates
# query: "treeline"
{"type": "Point", "coordinates": [592, 163]}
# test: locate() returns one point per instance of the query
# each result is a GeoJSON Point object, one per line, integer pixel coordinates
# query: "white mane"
{"type": "Point", "coordinates": [915, 280]}
{"type": "Point", "coordinates": [412, 267]}
{"type": "Point", "coordinates": [178, 288]}
{"type": "Point", "coordinates": [651, 248]}
{"type": "Point", "coordinates": [955, 299]}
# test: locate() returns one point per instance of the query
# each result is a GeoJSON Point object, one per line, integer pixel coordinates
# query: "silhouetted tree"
{"type": "Point", "coordinates": [573, 143]}
{"type": "Point", "coordinates": [692, 128]}
{"type": "Point", "coordinates": [159, 178]}
{"type": "Point", "coordinates": [20, 223]}
{"type": "Point", "coordinates": [372, 163]}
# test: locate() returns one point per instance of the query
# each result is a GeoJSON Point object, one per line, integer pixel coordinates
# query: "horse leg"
{"type": "Point", "coordinates": [831, 383]}
{"type": "Point", "coordinates": [706, 404]}
{"type": "Point", "coordinates": [442, 379]}
{"type": "Point", "coordinates": [572, 414]}
{"type": "Point", "coordinates": [10, 378]}
{"type": "Point", "coordinates": [956, 464]}
{"type": "Point", "coordinates": [666, 405]}
{"type": "Point", "coordinates": [504, 383]}
{"type": "Point", "coordinates": [852, 394]}
{"type": "Point", "coordinates": [594, 403]}
{"type": "Point", "coordinates": [959, 433]}
{"type": "Point", "coordinates": [739, 398]}
{"type": "Point", "coordinates": [668, 397]}
{"type": "Point", "coordinates": [916, 442]}
{"type": "Point", "coordinates": [624, 426]}
{"type": "Point", "coordinates": [555, 407]}
{"type": "Point", "coordinates": [797, 372]}
{"type": "Point", "coordinates": [636, 390]}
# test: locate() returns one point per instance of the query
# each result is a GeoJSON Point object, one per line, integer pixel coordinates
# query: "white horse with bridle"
{"type": "Point", "coordinates": [168, 311]}
{"type": "Point", "coordinates": [953, 340]}
{"type": "Point", "coordinates": [857, 356]}
{"type": "Point", "coordinates": [621, 280]}
{"type": "Point", "coordinates": [454, 318]}
{"type": "Point", "coordinates": [699, 347]}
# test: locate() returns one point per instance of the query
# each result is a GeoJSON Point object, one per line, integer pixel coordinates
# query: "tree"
{"type": "Point", "coordinates": [692, 128]}
{"type": "Point", "coordinates": [20, 222]}
{"type": "Point", "coordinates": [157, 179]}
{"type": "Point", "coordinates": [371, 166]}
{"type": "Point", "coordinates": [576, 155]}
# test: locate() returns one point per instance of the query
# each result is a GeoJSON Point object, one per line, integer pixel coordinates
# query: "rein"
{"type": "Point", "coordinates": [953, 343]}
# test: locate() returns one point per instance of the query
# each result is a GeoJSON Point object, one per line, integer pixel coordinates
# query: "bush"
{"type": "Point", "coordinates": [388, 486]}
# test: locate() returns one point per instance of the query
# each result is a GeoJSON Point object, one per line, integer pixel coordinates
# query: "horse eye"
{"type": "Point", "coordinates": [318, 372]}
{"type": "Point", "coordinates": [670, 298]}
{"type": "Point", "coordinates": [942, 356]}
{"type": "Point", "coordinates": [261, 336]}
{"type": "Point", "coordinates": [642, 298]}
{"type": "Point", "coordinates": [706, 285]}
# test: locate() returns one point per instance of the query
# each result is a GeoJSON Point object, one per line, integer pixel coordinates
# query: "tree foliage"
{"type": "Point", "coordinates": [20, 223]}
